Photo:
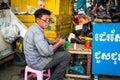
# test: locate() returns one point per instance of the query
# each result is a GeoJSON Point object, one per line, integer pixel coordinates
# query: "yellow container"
{"type": "Point", "coordinates": [28, 24]}
{"type": "Point", "coordinates": [55, 34]}
{"type": "Point", "coordinates": [58, 7]}
{"type": "Point", "coordinates": [60, 19]}
{"type": "Point", "coordinates": [26, 18]}
{"type": "Point", "coordinates": [66, 19]}
{"type": "Point", "coordinates": [22, 5]}
{"type": "Point", "coordinates": [34, 3]}
{"type": "Point", "coordinates": [58, 27]}
{"type": "Point", "coordinates": [56, 19]}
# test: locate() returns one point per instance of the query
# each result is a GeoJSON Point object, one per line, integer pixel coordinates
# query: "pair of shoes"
{"type": "Point", "coordinates": [114, 10]}
{"type": "Point", "coordinates": [107, 20]}
{"type": "Point", "coordinates": [102, 20]}
{"type": "Point", "coordinates": [103, 15]}
{"type": "Point", "coordinates": [98, 20]}
{"type": "Point", "coordinates": [115, 13]}
{"type": "Point", "coordinates": [116, 17]}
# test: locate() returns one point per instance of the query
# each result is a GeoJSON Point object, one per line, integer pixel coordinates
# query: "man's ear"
{"type": "Point", "coordinates": [36, 20]}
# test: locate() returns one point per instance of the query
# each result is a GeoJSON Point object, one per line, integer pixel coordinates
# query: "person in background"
{"type": "Point", "coordinates": [41, 53]}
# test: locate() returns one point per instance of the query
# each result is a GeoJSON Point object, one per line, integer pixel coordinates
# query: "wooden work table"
{"type": "Point", "coordinates": [80, 49]}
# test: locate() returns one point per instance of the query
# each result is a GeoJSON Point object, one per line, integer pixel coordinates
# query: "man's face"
{"type": "Point", "coordinates": [44, 21]}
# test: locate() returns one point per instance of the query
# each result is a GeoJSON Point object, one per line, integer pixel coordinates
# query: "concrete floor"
{"type": "Point", "coordinates": [11, 72]}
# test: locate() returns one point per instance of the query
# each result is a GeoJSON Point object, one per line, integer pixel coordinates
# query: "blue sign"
{"type": "Point", "coordinates": [106, 49]}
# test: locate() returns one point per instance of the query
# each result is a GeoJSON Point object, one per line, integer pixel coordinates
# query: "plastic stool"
{"type": "Point", "coordinates": [37, 73]}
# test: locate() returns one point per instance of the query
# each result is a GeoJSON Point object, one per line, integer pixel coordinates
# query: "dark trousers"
{"type": "Point", "coordinates": [59, 64]}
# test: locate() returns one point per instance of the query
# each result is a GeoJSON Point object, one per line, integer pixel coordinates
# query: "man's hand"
{"type": "Point", "coordinates": [59, 43]}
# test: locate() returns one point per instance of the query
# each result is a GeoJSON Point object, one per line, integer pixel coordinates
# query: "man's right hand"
{"type": "Point", "coordinates": [61, 41]}
{"type": "Point", "coordinates": [58, 44]}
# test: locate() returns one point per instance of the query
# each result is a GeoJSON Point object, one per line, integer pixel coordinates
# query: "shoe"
{"type": "Point", "coordinates": [77, 40]}
{"type": "Point", "coordinates": [113, 10]}
{"type": "Point", "coordinates": [116, 17]}
{"type": "Point", "coordinates": [98, 20]}
{"type": "Point", "coordinates": [116, 20]}
{"type": "Point", "coordinates": [107, 20]}
{"type": "Point", "coordinates": [103, 15]}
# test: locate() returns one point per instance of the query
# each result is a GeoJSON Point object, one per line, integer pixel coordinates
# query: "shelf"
{"type": "Point", "coordinates": [80, 50]}
{"type": "Point", "coordinates": [78, 76]}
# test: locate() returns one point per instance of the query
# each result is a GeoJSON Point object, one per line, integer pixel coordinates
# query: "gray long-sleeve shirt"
{"type": "Point", "coordinates": [38, 52]}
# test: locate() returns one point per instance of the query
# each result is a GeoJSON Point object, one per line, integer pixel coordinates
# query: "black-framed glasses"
{"type": "Point", "coordinates": [46, 21]}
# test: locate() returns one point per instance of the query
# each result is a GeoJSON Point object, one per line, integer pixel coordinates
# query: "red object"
{"type": "Point", "coordinates": [87, 44]}
{"type": "Point", "coordinates": [42, 5]}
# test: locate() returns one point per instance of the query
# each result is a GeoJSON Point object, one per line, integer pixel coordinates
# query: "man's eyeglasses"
{"type": "Point", "coordinates": [46, 21]}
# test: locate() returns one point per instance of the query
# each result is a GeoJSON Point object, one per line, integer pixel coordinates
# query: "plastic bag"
{"type": "Point", "coordinates": [10, 33]}
{"type": "Point", "coordinates": [78, 68]}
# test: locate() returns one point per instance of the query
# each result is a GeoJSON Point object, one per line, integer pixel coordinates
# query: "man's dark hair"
{"type": "Point", "coordinates": [38, 13]}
